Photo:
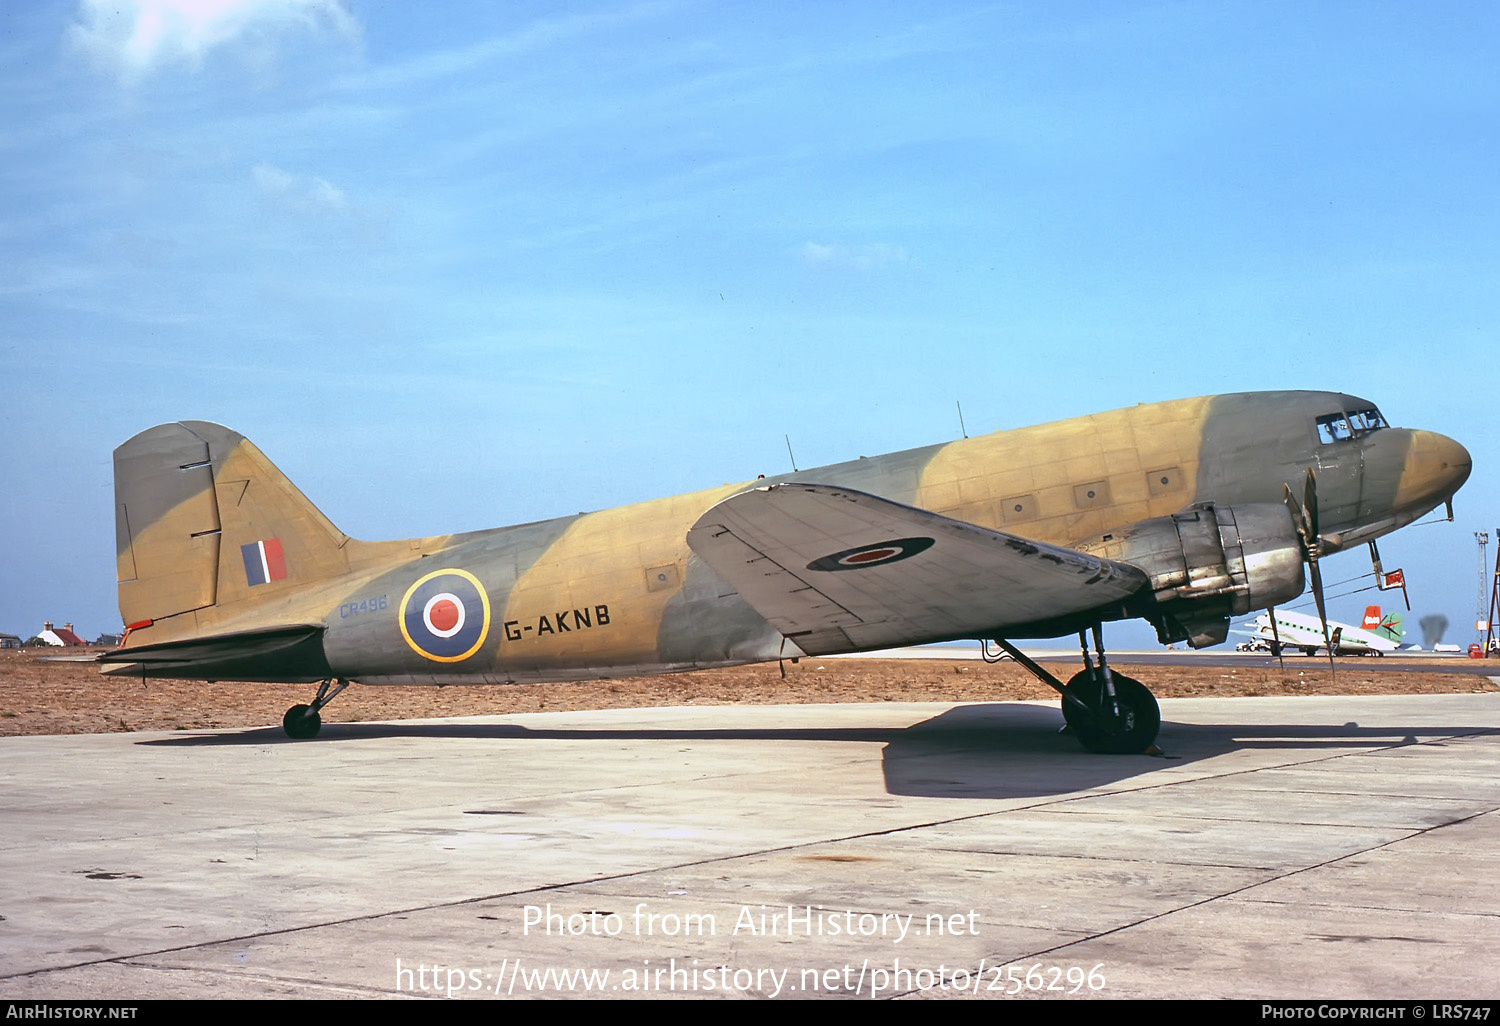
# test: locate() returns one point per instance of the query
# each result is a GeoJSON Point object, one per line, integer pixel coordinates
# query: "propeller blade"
{"type": "Point", "coordinates": [1317, 584]}
{"type": "Point", "coordinates": [1305, 519]}
{"type": "Point", "coordinates": [1275, 636]}
{"type": "Point", "coordinates": [1310, 507]}
{"type": "Point", "coordinates": [1314, 550]}
{"type": "Point", "coordinates": [1299, 520]}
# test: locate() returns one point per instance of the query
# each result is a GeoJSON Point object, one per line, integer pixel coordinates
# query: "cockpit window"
{"type": "Point", "coordinates": [1365, 421]}
{"type": "Point", "coordinates": [1334, 428]}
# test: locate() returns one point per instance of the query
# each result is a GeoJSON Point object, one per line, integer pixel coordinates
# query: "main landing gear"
{"type": "Point", "coordinates": [302, 721]}
{"type": "Point", "coordinates": [1111, 714]}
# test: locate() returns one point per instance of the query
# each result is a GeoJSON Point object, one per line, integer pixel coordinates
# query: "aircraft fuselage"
{"type": "Point", "coordinates": [620, 591]}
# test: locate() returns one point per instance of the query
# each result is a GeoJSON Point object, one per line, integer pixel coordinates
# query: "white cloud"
{"type": "Point", "coordinates": [301, 193]}
{"type": "Point", "coordinates": [865, 257]}
{"type": "Point", "coordinates": [135, 37]}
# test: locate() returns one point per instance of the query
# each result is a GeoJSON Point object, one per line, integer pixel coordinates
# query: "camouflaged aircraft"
{"type": "Point", "coordinates": [1184, 513]}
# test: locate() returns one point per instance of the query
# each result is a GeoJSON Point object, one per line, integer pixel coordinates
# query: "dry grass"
{"type": "Point", "coordinates": [44, 697]}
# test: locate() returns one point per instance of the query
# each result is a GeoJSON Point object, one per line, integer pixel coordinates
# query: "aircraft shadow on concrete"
{"type": "Point", "coordinates": [1000, 750]}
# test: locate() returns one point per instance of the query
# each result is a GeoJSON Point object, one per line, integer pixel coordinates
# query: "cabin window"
{"type": "Point", "coordinates": [661, 578]}
{"type": "Point", "coordinates": [1018, 507]}
{"type": "Point", "coordinates": [1164, 481]}
{"type": "Point", "coordinates": [1088, 496]}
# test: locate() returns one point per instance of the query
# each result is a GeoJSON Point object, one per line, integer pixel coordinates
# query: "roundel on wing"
{"type": "Point", "coordinates": [867, 556]}
{"type": "Point", "coordinates": [445, 616]}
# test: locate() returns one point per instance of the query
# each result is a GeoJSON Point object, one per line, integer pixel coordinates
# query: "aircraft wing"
{"type": "Point", "coordinates": [835, 570]}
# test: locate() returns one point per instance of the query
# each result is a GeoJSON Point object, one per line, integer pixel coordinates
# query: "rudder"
{"type": "Point", "coordinates": [1391, 627]}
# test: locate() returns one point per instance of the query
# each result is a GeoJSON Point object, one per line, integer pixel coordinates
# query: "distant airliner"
{"type": "Point", "coordinates": [1377, 635]}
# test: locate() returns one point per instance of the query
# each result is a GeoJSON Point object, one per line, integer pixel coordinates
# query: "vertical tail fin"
{"type": "Point", "coordinates": [203, 519]}
{"type": "Point", "coordinates": [1387, 626]}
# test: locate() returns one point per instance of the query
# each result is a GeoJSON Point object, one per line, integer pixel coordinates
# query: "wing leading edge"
{"type": "Point", "coordinates": [837, 570]}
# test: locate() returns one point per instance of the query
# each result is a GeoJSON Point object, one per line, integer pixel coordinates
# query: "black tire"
{"type": "Point", "coordinates": [301, 723]}
{"type": "Point", "coordinates": [1131, 733]}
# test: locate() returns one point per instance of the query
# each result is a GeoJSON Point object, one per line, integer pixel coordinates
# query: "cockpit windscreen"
{"type": "Point", "coordinates": [1336, 427]}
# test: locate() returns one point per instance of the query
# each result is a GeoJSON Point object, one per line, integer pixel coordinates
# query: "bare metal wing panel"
{"type": "Point", "coordinates": [824, 564]}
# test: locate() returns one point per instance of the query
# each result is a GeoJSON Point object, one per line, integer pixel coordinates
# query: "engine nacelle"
{"type": "Point", "coordinates": [1207, 564]}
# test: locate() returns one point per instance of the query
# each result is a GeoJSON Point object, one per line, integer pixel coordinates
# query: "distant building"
{"type": "Point", "coordinates": [109, 640]}
{"type": "Point", "coordinates": [9, 641]}
{"type": "Point", "coordinates": [60, 637]}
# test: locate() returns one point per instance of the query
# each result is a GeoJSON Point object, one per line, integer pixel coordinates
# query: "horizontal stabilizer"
{"type": "Point", "coordinates": [286, 654]}
{"type": "Point", "coordinates": [836, 569]}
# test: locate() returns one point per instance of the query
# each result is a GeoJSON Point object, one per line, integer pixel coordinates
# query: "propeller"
{"type": "Point", "coordinates": [1305, 519]}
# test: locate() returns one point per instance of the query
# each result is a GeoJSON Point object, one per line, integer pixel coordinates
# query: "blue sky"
{"type": "Point", "coordinates": [458, 266]}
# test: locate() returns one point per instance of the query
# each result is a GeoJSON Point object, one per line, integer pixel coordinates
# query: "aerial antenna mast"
{"type": "Point", "coordinates": [1481, 594]}
{"type": "Point", "coordinates": [1490, 630]}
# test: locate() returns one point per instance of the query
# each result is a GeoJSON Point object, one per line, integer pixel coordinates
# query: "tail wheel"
{"type": "Point", "coordinates": [1101, 730]}
{"type": "Point", "coordinates": [301, 722]}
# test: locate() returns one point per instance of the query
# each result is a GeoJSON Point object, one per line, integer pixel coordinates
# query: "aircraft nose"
{"type": "Point", "coordinates": [1436, 467]}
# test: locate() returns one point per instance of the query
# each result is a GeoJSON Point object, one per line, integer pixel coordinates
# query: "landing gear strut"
{"type": "Point", "coordinates": [302, 721]}
{"type": "Point", "coordinates": [1111, 714]}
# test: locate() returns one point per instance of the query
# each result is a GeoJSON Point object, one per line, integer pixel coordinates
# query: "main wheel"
{"type": "Point", "coordinates": [1129, 733]}
{"type": "Point", "coordinates": [301, 722]}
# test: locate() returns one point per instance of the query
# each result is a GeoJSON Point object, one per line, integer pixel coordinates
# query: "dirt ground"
{"type": "Point", "coordinates": [41, 696]}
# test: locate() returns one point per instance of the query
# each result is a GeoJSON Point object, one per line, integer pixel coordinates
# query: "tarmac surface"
{"type": "Point", "coordinates": [1395, 662]}
{"type": "Point", "coordinates": [1303, 847]}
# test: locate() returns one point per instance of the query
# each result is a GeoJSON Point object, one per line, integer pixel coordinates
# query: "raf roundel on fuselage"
{"type": "Point", "coordinates": [445, 615]}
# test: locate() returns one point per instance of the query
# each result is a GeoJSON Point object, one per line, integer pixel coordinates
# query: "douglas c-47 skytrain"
{"type": "Point", "coordinates": [1183, 513]}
